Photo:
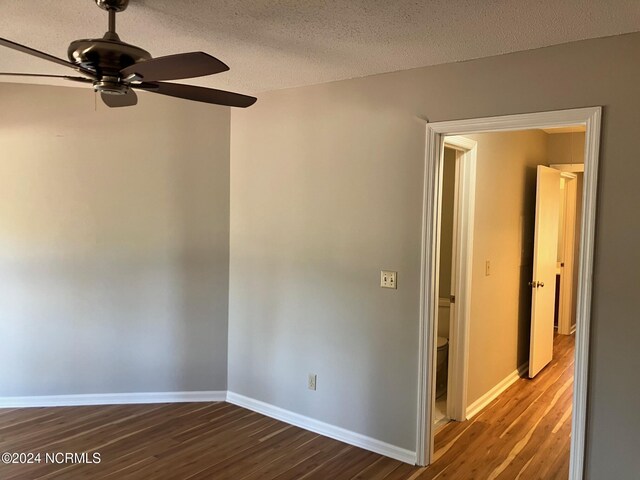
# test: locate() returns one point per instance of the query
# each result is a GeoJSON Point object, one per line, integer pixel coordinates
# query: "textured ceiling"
{"type": "Point", "coordinates": [273, 44]}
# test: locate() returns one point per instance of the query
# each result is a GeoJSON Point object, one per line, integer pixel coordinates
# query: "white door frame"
{"type": "Point", "coordinates": [588, 117]}
{"type": "Point", "coordinates": [567, 269]}
{"type": "Point", "coordinates": [462, 260]}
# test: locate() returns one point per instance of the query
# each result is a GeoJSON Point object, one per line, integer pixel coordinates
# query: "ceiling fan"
{"type": "Point", "coordinates": [116, 69]}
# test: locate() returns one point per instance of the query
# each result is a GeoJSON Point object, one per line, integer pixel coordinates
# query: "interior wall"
{"type": "Point", "coordinates": [566, 147]}
{"type": "Point", "coordinates": [504, 223]}
{"type": "Point", "coordinates": [326, 190]}
{"type": "Point", "coordinates": [113, 244]}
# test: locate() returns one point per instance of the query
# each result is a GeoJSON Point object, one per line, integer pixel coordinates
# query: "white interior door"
{"type": "Point", "coordinates": [452, 392]}
{"type": "Point", "coordinates": [543, 283]}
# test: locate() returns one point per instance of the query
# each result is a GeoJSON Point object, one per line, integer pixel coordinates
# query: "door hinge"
{"type": "Point", "coordinates": [452, 299]}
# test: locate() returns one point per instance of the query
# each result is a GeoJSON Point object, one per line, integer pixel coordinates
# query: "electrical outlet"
{"type": "Point", "coordinates": [487, 268]}
{"type": "Point", "coordinates": [388, 279]}
{"type": "Point", "coordinates": [313, 378]}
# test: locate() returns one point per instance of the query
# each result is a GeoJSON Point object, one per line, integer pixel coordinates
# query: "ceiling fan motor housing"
{"type": "Point", "coordinates": [106, 57]}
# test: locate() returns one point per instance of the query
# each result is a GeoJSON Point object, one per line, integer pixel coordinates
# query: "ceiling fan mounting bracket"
{"type": "Point", "coordinates": [115, 5]}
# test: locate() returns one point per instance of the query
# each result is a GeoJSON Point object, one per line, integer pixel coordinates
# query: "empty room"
{"type": "Point", "coordinates": [319, 240]}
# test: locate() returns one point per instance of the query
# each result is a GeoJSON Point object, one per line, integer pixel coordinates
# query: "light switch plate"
{"type": "Point", "coordinates": [388, 279]}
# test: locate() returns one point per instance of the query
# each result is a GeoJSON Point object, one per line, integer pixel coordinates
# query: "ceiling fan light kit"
{"type": "Point", "coordinates": [116, 69]}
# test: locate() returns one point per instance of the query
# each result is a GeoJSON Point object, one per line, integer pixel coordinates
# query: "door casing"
{"type": "Point", "coordinates": [590, 118]}
{"type": "Point", "coordinates": [462, 261]}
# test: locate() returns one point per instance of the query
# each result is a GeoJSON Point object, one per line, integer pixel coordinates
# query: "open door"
{"type": "Point", "coordinates": [543, 283]}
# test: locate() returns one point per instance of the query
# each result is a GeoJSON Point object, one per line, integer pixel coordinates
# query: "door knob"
{"type": "Point", "coordinates": [536, 284]}
{"type": "Point", "coordinates": [540, 284]}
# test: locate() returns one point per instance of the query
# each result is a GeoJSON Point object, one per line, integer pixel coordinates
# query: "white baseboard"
{"type": "Point", "coordinates": [322, 428]}
{"type": "Point", "coordinates": [111, 399]}
{"type": "Point", "coordinates": [492, 394]}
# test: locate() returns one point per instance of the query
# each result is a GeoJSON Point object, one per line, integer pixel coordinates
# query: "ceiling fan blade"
{"type": "Point", "coordinates": [45, 56]}
{"type": "Point", "coordinates": [175, 67]}
{"type": "Point", "coordinates": [38, 75]}
{"type": "Point", "coordinates": [127, 100]}
{"type": "Point", "coordinates": [198, 94]}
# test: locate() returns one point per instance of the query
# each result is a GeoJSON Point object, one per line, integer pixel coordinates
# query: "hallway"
{"type": "Point", "coordinates": [523, 434]}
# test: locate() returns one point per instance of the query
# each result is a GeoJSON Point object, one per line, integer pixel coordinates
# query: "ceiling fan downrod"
{"type": "Point", "coordinates": [112, 7]}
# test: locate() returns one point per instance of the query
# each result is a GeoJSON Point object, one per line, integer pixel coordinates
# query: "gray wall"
{"type": "Point", "coordinates": [326, 190]}
{"type": "Point", "coordinates": [113, 244]}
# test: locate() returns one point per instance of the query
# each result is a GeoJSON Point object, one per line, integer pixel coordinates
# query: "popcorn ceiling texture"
{"type": "Point", "coordinates": [274, 44]}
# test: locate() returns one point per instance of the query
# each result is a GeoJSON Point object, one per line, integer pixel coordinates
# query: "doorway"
{"type": "Point", "coordinates": [436, 133]}
{"type": "Point", "coordinates": [454, 277]}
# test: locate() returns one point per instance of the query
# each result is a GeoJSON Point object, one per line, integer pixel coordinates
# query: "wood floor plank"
{"type": "Point", "coordinates": [293, 459]}
{"type": "Point", "coordinates": [378, 470]}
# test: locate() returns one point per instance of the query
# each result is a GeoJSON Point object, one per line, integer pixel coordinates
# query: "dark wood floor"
{"type": "Point", "coordinates": [524, 434]}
